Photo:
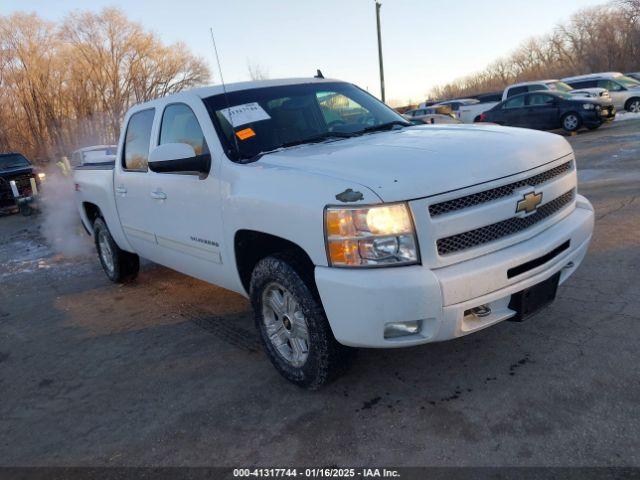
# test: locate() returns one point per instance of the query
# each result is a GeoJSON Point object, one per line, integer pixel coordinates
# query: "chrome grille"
{"type": "Point", "coordinates": [495, 193]}
{"type": "Point", "coordinates": [480, 236]}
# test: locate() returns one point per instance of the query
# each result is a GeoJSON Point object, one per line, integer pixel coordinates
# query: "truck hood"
{"type": "Point", "coordinates": [425, 160]}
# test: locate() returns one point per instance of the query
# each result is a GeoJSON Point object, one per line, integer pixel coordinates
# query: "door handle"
{"type": "Point", "coordinates": [159, 195]}
{"type": "Point", "coordinates": [121, 189]}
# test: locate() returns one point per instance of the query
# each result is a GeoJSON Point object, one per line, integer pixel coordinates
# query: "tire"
{"type": "Point", "coordinates": [25, 209]}
{"type": "Point", "coordinates": [118, 265]}
{"type": "Point", "coordinates": [633, 105]}
{"type": "Point", "coordinates": [293, 328]}
{"type": "Point", "coordinates": [571, 122]}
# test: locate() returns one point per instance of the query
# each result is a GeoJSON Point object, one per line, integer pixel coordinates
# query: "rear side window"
{"type": "Point", "coordinates": [537, 99]}
{"type": "Point", "coordinates": [136, 142]}
{"type": "Point", "coordinates": [515, 102]}
{"type": "Point", "coordinates": [517, 90]}
{"type": "Point", "coordinates": [584, 84]}
{"type": "Point", "coordinates": [180, 125]}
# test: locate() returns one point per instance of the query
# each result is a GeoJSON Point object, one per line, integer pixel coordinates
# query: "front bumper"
{"type": "Point", "coordinates": [360, 302]}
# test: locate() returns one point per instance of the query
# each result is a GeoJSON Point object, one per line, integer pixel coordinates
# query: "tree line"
{"type": "Point", "coordinates": [68, 84]}
{"type": "Point", "coordinates": [596, 39]}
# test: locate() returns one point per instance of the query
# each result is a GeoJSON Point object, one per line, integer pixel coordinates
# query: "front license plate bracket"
{"type": "Point", "coordinates": [531, 300]}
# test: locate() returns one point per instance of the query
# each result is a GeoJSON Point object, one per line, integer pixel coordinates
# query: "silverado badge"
{"type": "Point", "coordinates": [529, 202]}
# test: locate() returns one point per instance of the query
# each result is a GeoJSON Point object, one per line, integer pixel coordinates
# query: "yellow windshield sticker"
{"type": "Point", "coordinates": [246, 133]}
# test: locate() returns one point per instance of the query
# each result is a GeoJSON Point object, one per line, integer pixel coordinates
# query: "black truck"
{"type": "Point", "coordinates": [14, 166]}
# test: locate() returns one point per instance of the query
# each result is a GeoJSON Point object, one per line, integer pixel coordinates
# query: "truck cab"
{"type": "Point", "coordinates": [345, 225]}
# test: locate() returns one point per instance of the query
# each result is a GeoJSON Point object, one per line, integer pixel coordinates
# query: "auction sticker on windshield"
{"type": "Point", "coordinates": [246, 113]}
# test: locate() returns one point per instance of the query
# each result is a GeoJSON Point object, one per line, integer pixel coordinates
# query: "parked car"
{"type": "Point", "coordinates": [434, 119]}
{"type": "Point", "coordinates": [624, 91]}
{"type": "Point", "coordinates": [343, 226]}
{"type": "Point", "coordinates": [94, 155]}
{"type": "Point", "coordinates": [431, 115]}
{"type": "Point", "coordinates": [554, 86]}
{"type": "Point", "coordinates": [634, 75]}
{"type": "Point", "coordinates": [15, 167]}
{"type": "Point", "coordinates": [550, 110]}
{"type": "Point", "coordinates": [471, 113]}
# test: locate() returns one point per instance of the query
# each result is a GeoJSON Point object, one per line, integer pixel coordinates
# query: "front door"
{"type": "Point", "coordinates": [617, 92]}
{"type": "Point", "coordinates": [187, 212]}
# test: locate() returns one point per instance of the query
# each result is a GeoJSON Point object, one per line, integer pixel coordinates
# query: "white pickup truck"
{"type": "Point", "coordinates": [343, 224]}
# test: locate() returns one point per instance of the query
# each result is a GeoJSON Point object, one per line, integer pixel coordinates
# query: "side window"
{"type": "Point", "coordinates": [516, 90]}
{"type": "Point", "coordinates": [537, 99]}
{"type": "Point", "coordinates": [609, 85]}
{"type": "Point", "coordinates": [589, 84]}
{"type": "Point", "coordinates": [515, 102]}
{"type": "Point", "coordinates": [180, 125]}
{"type": "Point", "coordinates": [537, 88]}
{"type": "Point", "coordinates": [136, 143]}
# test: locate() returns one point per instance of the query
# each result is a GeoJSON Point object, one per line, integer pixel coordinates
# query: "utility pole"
{"type": "Point", "coordinates": [378, 5]}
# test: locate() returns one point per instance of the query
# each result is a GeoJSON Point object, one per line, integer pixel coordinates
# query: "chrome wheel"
{"type": "Point", "coordinates": [571, 122]}
{"type": "Point", "coordinates": [634, 107]}
{"type": "Point", "coordinates": [105, 252]}
{"type": "Point", "coordinates": [285, 324]}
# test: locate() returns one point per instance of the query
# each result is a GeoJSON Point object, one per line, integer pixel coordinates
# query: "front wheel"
{"type": "Point", "coordinates": [571, 122]}
{"type": "Point", "coordinates": [293, 327]}
{"type": "Point", "coordinates": [633, 105]}
{"type": "Point", "coordinates": [119, 266]}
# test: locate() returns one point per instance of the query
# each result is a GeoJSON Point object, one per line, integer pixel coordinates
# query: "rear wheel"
{"type": "Point", "coordinates": [571, 122]}
{"type": "Point", "coordinates": [293, 327]}
{"type": "Point", "coordinates": [633, 105]}
{"type": "Point", "coordinates": [118, 265]}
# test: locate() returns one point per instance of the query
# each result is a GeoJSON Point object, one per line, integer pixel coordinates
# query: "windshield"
{"type": "Point", "coordinates": [627, 82]}
{"type": "Point", "coordinates": [559, 87]}
{"type": "Point", "coordinates": [13, 160]}
{"type": "Point", "coordinates": [269, 118]}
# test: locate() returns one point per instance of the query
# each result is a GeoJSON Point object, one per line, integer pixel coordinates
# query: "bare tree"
{"type": "Point", "coordinates": [257, 71]}
{"type": "Point", "coordinates": [601, 38]}
{"type": "Point", "coordinates": [65, 85]}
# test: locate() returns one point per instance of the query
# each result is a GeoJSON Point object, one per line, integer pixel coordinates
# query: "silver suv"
{"type": "Point", "coordinates": [624, 90]}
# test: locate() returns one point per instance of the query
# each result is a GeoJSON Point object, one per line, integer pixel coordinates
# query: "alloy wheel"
{"type": "Point", "coordinates": [285, 324]}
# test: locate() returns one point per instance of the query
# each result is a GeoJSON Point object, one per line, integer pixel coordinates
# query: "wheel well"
{"type": "Point", "coordinates": [92, 211]}
{"type": "Point", "coordinates": [251, 246]}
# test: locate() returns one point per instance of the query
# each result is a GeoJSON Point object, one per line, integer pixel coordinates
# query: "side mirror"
{"type": "Point", "coordinates": [179, 158]}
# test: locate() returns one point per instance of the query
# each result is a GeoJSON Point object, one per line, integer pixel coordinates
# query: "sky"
{"type": "Point", "coordinates": [425, 42]}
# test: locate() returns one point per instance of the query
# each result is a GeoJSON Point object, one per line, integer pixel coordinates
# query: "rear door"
{"type": "Point", "coordinates": [542, 111]}
{"type": "Point", "coordinates": [131, 183]}
{"type": "Point", "coordinates": [514, 112]}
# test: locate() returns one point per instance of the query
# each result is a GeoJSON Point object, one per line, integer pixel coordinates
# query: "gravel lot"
{"type": "Point", "coordinates": [168, 370]}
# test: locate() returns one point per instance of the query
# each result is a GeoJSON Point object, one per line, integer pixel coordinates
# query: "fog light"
{"type": "Point", "coordinates": [402, 329]}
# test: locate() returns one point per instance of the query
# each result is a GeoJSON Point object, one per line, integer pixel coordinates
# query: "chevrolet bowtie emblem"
{"type": "Point", "coordinates": [529, 202]}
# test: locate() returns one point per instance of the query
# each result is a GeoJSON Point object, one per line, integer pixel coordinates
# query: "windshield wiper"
{"type": "Point", "coordinates": [315, 139]}
{"type": "Point", "coordinates": [385, 126]}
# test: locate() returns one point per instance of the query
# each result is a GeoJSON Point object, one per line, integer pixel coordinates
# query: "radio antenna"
{"type": "Point", "coordinates": [224, 92]}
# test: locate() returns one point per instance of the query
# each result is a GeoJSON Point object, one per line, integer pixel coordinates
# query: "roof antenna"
{"type": "Point", "coordinates": [226, 97]}
{"type": "Point", "coordinates": [319, 74]}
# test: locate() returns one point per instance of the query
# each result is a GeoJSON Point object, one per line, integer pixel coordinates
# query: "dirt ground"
{"type": "Point", "coordinates": [168, 370]}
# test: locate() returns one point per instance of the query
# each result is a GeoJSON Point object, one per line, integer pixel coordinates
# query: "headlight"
{"type": "Point", "coordinates": [42, 176]}
{"type": "Point", "coordinates": [588, 106]}
{"type": "Point", "coordinates": [371, 236]}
